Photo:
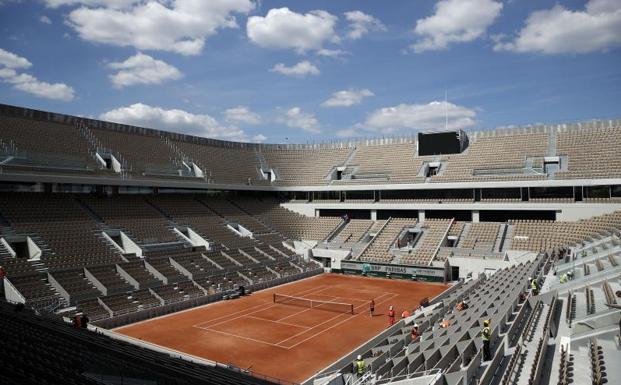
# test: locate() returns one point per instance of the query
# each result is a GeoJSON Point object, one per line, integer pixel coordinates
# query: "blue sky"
{"type": "Point", "coordinates": [310, 71]}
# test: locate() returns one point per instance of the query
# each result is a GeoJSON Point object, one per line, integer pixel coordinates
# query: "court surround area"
{"type": "Point", "coordinates": [289, 341]}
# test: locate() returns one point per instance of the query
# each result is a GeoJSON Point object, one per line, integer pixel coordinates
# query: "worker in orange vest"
{"type": "Point", "coordinates": [391, 316]}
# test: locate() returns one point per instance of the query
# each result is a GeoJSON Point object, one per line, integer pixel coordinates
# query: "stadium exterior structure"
{"type": "Point", "coordinates": [572, 192]}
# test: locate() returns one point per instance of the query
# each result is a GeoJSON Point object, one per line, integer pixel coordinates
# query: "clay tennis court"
{"type": "Point", "coordinates": [285, 340]}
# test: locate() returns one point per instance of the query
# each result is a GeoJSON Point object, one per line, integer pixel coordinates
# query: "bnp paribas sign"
{"type": "Point", "coordinates": [393, 269]}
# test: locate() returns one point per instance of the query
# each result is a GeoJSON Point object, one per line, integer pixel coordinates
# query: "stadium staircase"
{"type": "Point", "coordinates": [335, 232]}
{"type": "Point", "coordinates": [464, 234]}
{"type": "Point", "coordinates": [552, 138]}
{"type": "Point", "coordinates": [351, 156]}
{"type": "Point", "coordinates": [94, 146]}
{"type": "Point", "coordinates": [258, 220]}
{"type": "Point", "coordinates": [180, 157]}
{"type": "Point", "coordinates": [500, 239]}
{"type": "Point", "coordinates": [376, 228]}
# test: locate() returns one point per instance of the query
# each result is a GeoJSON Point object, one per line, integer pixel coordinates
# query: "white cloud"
{"type": "Point", "coordinates": [455, 21]}
{"type": "Point", "coordinates": [142, 69]}
{"type": "Point", "coordinates": [430, 116]}
{"type": "Point", "coordinates": [331, 52]}
{"type": "Point", "coordinates": [45, 20]}
{"type": "Point", "coordinates": [9, 62]}
{"type": "Point", "coordinates": [347, 133]}
{"type": "Point", "coordinates": [361, 23]}
{"type": "Point", "coordinates": [296, 118]}
{"type": "Point", "coordinates": [285, 29]}
{"type": "Point", "coordinates": [241, 114]}
{"type": "Point", "coordinates": [91, 3]}
{"type": "Point", "coordinates": [181, 26]}
{"type": "Point", "coordinates": [173, 120]}
{"type": "Point", "coordinates": [259, 138]}
{"type": "Point", "coordinates": [32, 85]}
{"type": "Point", "coordinates": [347, 98]}
{"type": "Point", "coordinates": [302, 69]}
{"type": "Point", "coordinates": [560, 30]}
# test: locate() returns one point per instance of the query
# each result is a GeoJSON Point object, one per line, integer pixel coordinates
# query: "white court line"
{"type": "Point", "coordinates": [303, 311]}
{"type": "Point", "coordinates": [309, 309]}
{"type": "Point", "coordinates": [242, 337]}
{"type": "Point", "coordinates": [347, 298]}
{"type": "Point", "coordinates": [207, 304]}
{"type": "Point", "coordinates": [262, 305]}
{"type": "Point", "coordinates": [335, 325]}
{"type": "Point", "coordinates": [278, 322]}
{"type": "Point", "coordinates": [306, 339]}
{"type": "Point", "coordinates": [326, 321]}
{"type": "Point", "coordinates": [250, 307]}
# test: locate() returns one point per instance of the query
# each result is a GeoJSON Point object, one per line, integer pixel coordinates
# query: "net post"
{"type": "Point", "coordinates": [274, 297]}
{"type": "Point", "coordinates": [352, 308]}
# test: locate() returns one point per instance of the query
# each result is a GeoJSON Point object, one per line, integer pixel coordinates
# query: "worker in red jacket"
{"type": "Point", "coordinates": [391, 316]}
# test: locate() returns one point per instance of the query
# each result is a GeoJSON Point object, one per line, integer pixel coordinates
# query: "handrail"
{"type": "Point", "coordinates": [435, 253]}
{"type": "Point", "coordinates": [375, 237]}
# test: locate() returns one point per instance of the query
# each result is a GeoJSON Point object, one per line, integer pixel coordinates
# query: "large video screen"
{"type": "Point", "coordinates": [437, 143]}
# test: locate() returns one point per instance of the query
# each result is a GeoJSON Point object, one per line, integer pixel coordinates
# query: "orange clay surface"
{"type": "Point", "coordinates": [284, 341]}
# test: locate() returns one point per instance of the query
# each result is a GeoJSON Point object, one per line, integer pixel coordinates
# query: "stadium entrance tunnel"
{"type": "Point", "coordinates": [20, 247]}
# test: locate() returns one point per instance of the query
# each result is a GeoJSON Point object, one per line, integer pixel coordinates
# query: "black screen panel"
{"type": "Point", "coordinates": [437, 143]}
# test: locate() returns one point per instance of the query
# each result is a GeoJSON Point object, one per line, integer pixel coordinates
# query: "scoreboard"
{"type": "Point", "coordinates": [445, 142]}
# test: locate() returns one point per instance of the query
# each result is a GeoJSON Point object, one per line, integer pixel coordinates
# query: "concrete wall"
{"type": "Point", "coordinates": [155, 272]}
{"type": "Point", "coordinates": [8, 247]}
{"type": "Point", "coordinates": [100, 286]}
{"type": "Point", "coordinates": [335, 256]}
{"type": "Point", "coordinates": [129, 246]}
{"type": "Point", "coordinates": [489, 265]}
{"type": "Point", "coordinates": [34, 252]}
{"type": "Point", "coordinates": [581, 211]}
{"type": "Point", "coordinates": [565, 211]}
{"type": "Point", "coordinates": [118, 247]}
{"type": "Point", "coordinates": [11, 294]}
{"type": "Point", "coordinates": [307, 209]}
{"type": "Point", "coordinates": [477, 266]}
{"type": "Point", "coordinates": [196, 239]}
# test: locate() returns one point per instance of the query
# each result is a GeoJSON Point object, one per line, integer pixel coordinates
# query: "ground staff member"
{"type": "Point", "coordinates": [391, 316]}
{"type": "Point", "coordinates": [534, 286]}
{"type": "Point", "coordinates": [359, 366]}
{"type": "Point", "coordinates": [486, 335]}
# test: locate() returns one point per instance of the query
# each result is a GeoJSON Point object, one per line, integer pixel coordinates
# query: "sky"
{"type": "Point", "coordinates": [313, 71]}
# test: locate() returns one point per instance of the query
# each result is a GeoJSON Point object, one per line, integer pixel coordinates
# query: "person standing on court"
{"type": "Point", "coordinates": [486, 335]}
{"type": "Point", "coordinates": [359, 366]}
{"type": "Point", "coordinates": [372, 308]}
{"type": "Point", "coordinates": [391, 316]}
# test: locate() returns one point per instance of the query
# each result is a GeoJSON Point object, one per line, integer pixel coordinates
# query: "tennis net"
{"type": "Point", "coordinates": [339, 307]}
